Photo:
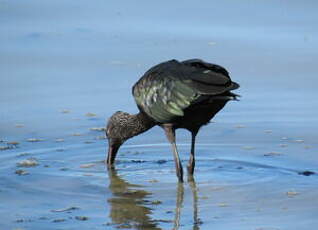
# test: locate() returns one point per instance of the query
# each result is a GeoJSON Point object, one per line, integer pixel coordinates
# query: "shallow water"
{"type": "Point", "coordinates": [62, 60]}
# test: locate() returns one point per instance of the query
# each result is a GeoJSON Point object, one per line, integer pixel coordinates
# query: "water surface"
{"type": "Point", "coordinates": [67, 66]}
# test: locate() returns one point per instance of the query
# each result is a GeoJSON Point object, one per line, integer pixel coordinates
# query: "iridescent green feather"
{"type": "Point", "coordinates": [165, 100]}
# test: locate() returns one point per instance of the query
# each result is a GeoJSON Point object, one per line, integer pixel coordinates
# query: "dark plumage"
{"type": "Point", "coordinates": [173, 95]}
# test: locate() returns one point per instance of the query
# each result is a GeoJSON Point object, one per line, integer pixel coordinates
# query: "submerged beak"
{"type": "Point", "coordinates": [112, 151]}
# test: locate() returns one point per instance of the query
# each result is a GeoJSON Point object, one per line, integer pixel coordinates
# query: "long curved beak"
{"type": "Point", "coordinates": [112, 152]}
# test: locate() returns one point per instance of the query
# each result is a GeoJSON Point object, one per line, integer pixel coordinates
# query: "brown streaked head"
{"type": "Point", "coordinates": [117, 132]}
{"type": "Point", "coordinates": [121, 126]}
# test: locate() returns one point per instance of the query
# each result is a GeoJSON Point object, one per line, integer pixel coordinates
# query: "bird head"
{"type": "Point", "coordinates": [117, 133]}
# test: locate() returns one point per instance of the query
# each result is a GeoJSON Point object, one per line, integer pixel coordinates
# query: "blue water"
{"type": "Point", "coordinates": [84, 56]}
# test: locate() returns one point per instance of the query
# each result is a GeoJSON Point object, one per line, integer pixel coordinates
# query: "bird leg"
{"type": "Point", "coordinates": [170, 133]}
{"type": "Point", "coordinates": [191, 163]}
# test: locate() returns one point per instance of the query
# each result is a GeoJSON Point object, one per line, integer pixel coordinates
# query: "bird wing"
{"type": "Point", "coordinates": [166, 90]}
{"type": "Point", "coordinates": [208, 78]}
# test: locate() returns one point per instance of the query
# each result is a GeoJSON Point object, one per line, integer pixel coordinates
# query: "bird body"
{"type": "Point", "coordinates": [173, 95]}
{"type": "Point", "coordinates": [168, 89]}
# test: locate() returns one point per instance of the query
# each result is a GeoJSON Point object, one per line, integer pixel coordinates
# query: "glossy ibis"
{"type": "Point", "coordinates": [173, 95]}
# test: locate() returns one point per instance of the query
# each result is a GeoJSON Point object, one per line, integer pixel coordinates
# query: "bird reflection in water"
{"type": "Point", "coordinates": [179, 203]}
{"type": "Point", "coordinates": [129, 206]}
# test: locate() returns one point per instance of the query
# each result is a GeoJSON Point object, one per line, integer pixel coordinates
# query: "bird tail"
{"type": "Point", "coordinates": [228, 96]}
{"type": "Point", "coordinates": [234, 86]}
{"type": "Point", "coordinates": [234, 96]}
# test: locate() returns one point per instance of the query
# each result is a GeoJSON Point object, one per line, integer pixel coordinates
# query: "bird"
{"type": "Point", "coordinates": [173, 94]}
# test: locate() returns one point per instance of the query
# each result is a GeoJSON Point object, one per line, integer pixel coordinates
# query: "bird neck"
{"type": "Point", "coordinates": [139, 123]}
